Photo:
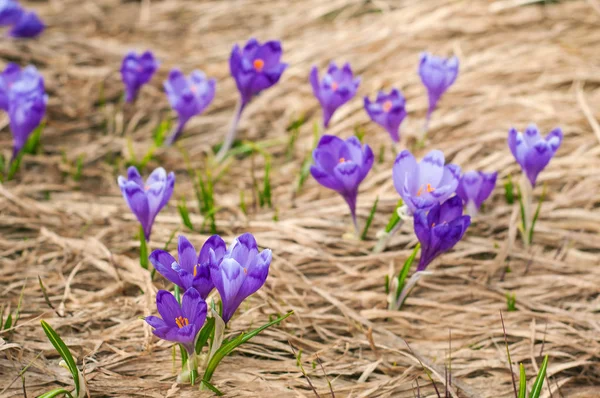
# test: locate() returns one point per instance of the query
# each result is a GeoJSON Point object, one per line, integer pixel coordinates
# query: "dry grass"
{"type": "Point", "coordinates": [518, 64]}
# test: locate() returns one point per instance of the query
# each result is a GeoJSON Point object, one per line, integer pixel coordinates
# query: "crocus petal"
{"type": "Point", "coordinates": [187, 254]}
{"type": "Point", "coordinates": [137, 201]}
{"type": "Point", "coordinates": [450, 210]}
{"type": "Point", "coordinates": [348, 174]}
{"type": "Point", "coordinates": [488, 184]}
{"type": "Point", "coordinates": [531, 135]}
{"type": "Point", "coordinates": [517, 146]}
{"type": "Point", "coordinates": [155, 322]}
{"type": "Point", "coordinates": [193, 307]}
{"type": "Point", "coordinates": [231, 277]}
{"type": "Point", "coordinates": [328, 152]}
{"type": "Point", "coordinates": [168, 307]}
{"type": "Point", "coordinates": [405, 166]}
{"type": "Point", "coordinates": [163, 262]}
{"type": "Point", "coordinates": [217, 244]}
{"type": "Point", "coordinates": [421, 227]}
{"type": "Point", "coordinates": [431, 169]}
{"type": "Point", "coordinates": [536, 159]}
{"type": "Point", "coordinates": [256, 274]}
{"type": "Point", "coordinates": [328, 180]}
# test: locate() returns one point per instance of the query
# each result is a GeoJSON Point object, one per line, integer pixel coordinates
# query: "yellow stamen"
{"type": "Point", "coordinates": [334, 86]}
{"type": "Point", "coordinates": [429, 189]}
{"type": "Point", "coordinates": [195, 270]}
{"type": "Point", "coordinates": [181, 321]}
{"type": "Point", "coordinates": [259, 64]}
{"type": "Point", "coordinates": [387, 105]}
{"type": "Point", "coordinates": [342, 160]}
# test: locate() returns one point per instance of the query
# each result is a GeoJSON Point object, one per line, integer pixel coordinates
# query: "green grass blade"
{"type": "Point", "coordinates": [395, 219]}
{"type": "Point", "coordinates": [509, 191]}
{"type": "Point", "coordinates": [64, 352]}
{"type": "Point", "coordinates": [56, 393]}
{"type": "Point", "coordinates": [185, 214]}
{"type": "Point", "coordinates": [204, 334]}
{"type": "Point", "coordinates": [536, 390]}
{"type": "Point", "coordinates": [363, 236]}
{"type": "Point", "coordinates": [405, 269]}
{"type": "Point", "coordinates": [522, 382]}
{"type": "Point", "coordinates": [143, 250]}
{"type": "Point", "coordinates": [267, 184]}
{"type": "Point", "coordinates": [8, 323]}
{"type": "Point", "coordinates": [535, 216]}
{"type": "Point", "coordinates": [214, 389]}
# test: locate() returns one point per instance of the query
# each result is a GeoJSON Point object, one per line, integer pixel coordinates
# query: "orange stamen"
{"type": "Point", "coordinates": [387, 105]}
{"type": "Point", "coordinates": [342, 160]}
{"type": "Point", "coordinates": [259, 64]}
{"type": "Point", "coordinates": [195, 270]}
{"type": "Point", "coordinates": [430, 188]}
{"type": "Point", "coordinates": [334, 86]}
{"type": "Point", "coordinates": [246, 271]}
{"type": "Point", "coordinates": [181, 322]}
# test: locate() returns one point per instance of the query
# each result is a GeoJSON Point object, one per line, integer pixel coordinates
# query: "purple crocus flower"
{"type": "Point", "coordinates": [179, 323]}
{"type": "Point", "coordinates": [532, 152]}
{"type": "Point", "coordinates": [10, 12]}
{"type": "Point", "coordinates": [137, 70]}
{"type": "Point", "coordinates": [242, 271]}
{"type": "Point", "coordinates": [337, 87]}
{"type": "Point", "coordinates": [28, 25]}
{"type": "Point", "coordinates": [388, 111]}
{"type": "Point", "coordinates": [474, 188]}
{"type": "Point", "coordinates": [188, 97]}
{"type": "Point", "coordinates": [256, 67]}
{"type": "Point", "coordinates": [440, 229]}
{"type": "Point", "coordinates": [342, 165]}
{"type": "Point", "coordinates": [425, 184]}
{"type": "Point", "coordinates": [146, 199]}
{"type": "Point", "coordinates": [22, 94]}
{"type": "Point", "coordinates": [193, 269]}
{"type": "Point", "coordinates": [437, 74]}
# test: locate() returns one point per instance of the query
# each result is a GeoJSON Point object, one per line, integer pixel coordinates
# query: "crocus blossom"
{"type": "Point", "coordinates": [388, 111]}
{"type": "Point", "coordinates": [437, 75]}
{"type": "Point", "coordinates": [147, 199]}
{"type": "Point", "coordinates": [337, 87]}
{"type": "Point", "coordinates": [10, 12]}
{"type": "Point", "coordinates": [532, 151]}
{"type": "Point", "coordinates": [27, 25]}
{"type": "Point", "coordinates": [342, 165]}
{"type": "Point", "coordinates": [137, 70]}
{"type": "Point", "coordinates": [193, 269]}
{"type": "Point", "coordinates": [179, 323]}
{"type": "Point", "coordinates": [241, 272]}
{"type": "Point", "coordinates": [256, 67]}
{"type": "Point", "coordinates": [23, 96]}
{"type": "Point", "coordinates": [423, 185]}
{"type": "Point", "coordinates": [440, 229]}
{"type": "Point", "coordinates": [188, 97]}
{"type": "Point", "coordinates": [474, 188]}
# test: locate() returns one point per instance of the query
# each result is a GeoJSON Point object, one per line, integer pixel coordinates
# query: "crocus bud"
{"type": "Point", "coordinates": [337, 87]}
{"type": "Point", "coordinates": [437, 75]}
{"type": "Point", "coordinates": [137, 70]}
{"type": "Point", "coordinates": [388, 111]}
{"type": "Point", "coordinates": [28, 25]}
{"type": "Point", "coordinates": [474, 188]}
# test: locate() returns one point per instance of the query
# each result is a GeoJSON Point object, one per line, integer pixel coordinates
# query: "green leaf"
{"type": "Point", "coordinates": [405, 269]}
{"type": "Point", "coordinates": [381, 157]}
{"type": "Point", "coordinates": [267, 184]}
{"type": "Point", "coordinates": [8, 323]}
{"type": "Point", "coordinates": [168, 243]}
{"type": "Point", "coordinates": [536, 390]}
{"type": "Point", "coordinates": [161, 131]}
{"type": "Point", "coordinates": [243, 203]}
{"type": "Point", "coordinates": [32, 145]}
{"type": "Point", "coordinates": [56, 393]}
{"type": "Point", "coordinates": [184, 355]}
{"type": "Point", "coordinates": [228, 347]}
{"type": "Point", "coordinates": [13, 167]}
{"type": "Point", "coordinates": [535, 216]}
{"type": "Point", "coordinates": [214, 389]}
{"type": "Point", "coordinates": [511, 301]}
{"type": "Point", "coordinates": [522, 382]}
{"type": "Point", "coordinates": [185, 214]}
{"type": "Point", "coordinates": [143, 249]}
{"type": "Point", "coordinates": [177, 294]}
{"type": "Point", "coordinates": [78, 168]}
{"type": "Point", "coordinates": [64, 352]}
{"type": "Point", "coordinates": [509, 191]}
{"type": "Point", "coordinates": [363, 236]}
{"type": "Point", "coordinates": [204, 334]}
{"type": "Point", "coordinates": [359, 132]}
{"type": "Point", "coordinates": [395, 218]}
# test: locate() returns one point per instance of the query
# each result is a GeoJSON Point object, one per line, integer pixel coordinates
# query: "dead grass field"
{"type": "Point", "coordinates": [519, 64]}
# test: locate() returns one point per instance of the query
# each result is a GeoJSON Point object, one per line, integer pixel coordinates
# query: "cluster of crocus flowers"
{"type": "Point", "coordinates": [342, 165]}
{"type": "Point", "coordinates": [437, 75]}
{"type": "Point", "coordinates": [388, 111]}
{"type": "Point", "coordinates": [255, 68]}
{"type": "Point", "coordinates": [146, 199]}
{"type": "Point", "coordinates": [23, 23]}
{"type": "Point", "coordinates": [23, 96]}
{"type": "Point", "coordinates": [137, 70]}
{"type": "Point", "coordinates": [474, 188]}
{"type": "Point", "coordinates": [188, 96]}
{"type": "Point", "coordinates": [337, 87]}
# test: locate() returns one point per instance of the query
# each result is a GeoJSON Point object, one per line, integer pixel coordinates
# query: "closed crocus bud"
{"type": "Point", "coordinates": [440, 229]}
{"type": "Point", "coordinates": [147, 199]}
{"type": "Point", "coordinates": [342, 165]}
{"type": "Point", "coordinates": [137, 70]}
{"type": "Point", "coordinates": [256, 67]}
{"type": "Point", "coordinates": [179, 323]}
{"type": "Point", "coordinates": [532, 151]}
{"type": "Point", "coordinates": [437, 75]}
{"type": "Point", "coordinates": [10, 12]}
{"type": "Point", "coordinates": [388, 111]}
{"type": "Point", "coordinates": [337, 87]}
{"type": "Point", "coordinates": [188, 96]}
{"type": "Point", "coordinates": [28, 25]}
{"type": "Point", "coordinates": [8, 77]}
{"type": "Point", "coordinates": [239, 273]}
{"type": "Point", "coordinates": [474, 188]}
{"type": "Point", "coordinates": [427, 183]}
{"type": "Point", "coordinates": [193, 269]}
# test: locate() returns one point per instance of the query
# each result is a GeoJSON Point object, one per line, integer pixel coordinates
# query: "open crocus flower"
{"type": "Point", "coordinates": [256, 67]}
{"type": "Point", "coordinates": [532, 152]}
{"type": "Point", "coordinates": [474, 188]}
{"type": "Point", "coordinates": [337, 87]}
{"type": "Point", "coordinates": [440, 229]}
{"type": "Point", "coordinates": [27, 25]}
{"type": "Point", "coordinates": [425, 184]}
{"type": "Point", "coordinates": [388, 111]}
{"type": "Point", "coordinates": [146, 199]}
{"type": "Point", "coordinates": [10, 12]}
{"type": "Point", "coordinates": [23, 95]}
{"type": "Point", "coordinates": [137, 70]}
{"type": "Point", "coordinates": [193, 269]}
{"type": "Point", "coordinates": [241, 272]}
{"type": "Point", "coordinates": [179, 324]}
{"type": "Point", "coordinates": [188, 97]}
{"type": "Point", "coordinates": [342, 165]}
{"type": "Point", "coordinates": [437, 75]}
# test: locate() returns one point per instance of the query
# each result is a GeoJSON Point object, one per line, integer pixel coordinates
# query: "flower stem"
{"type": "Point", "coordinates": [230, 137]}
{"type": "Point", "coordinates": [175, 133]}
